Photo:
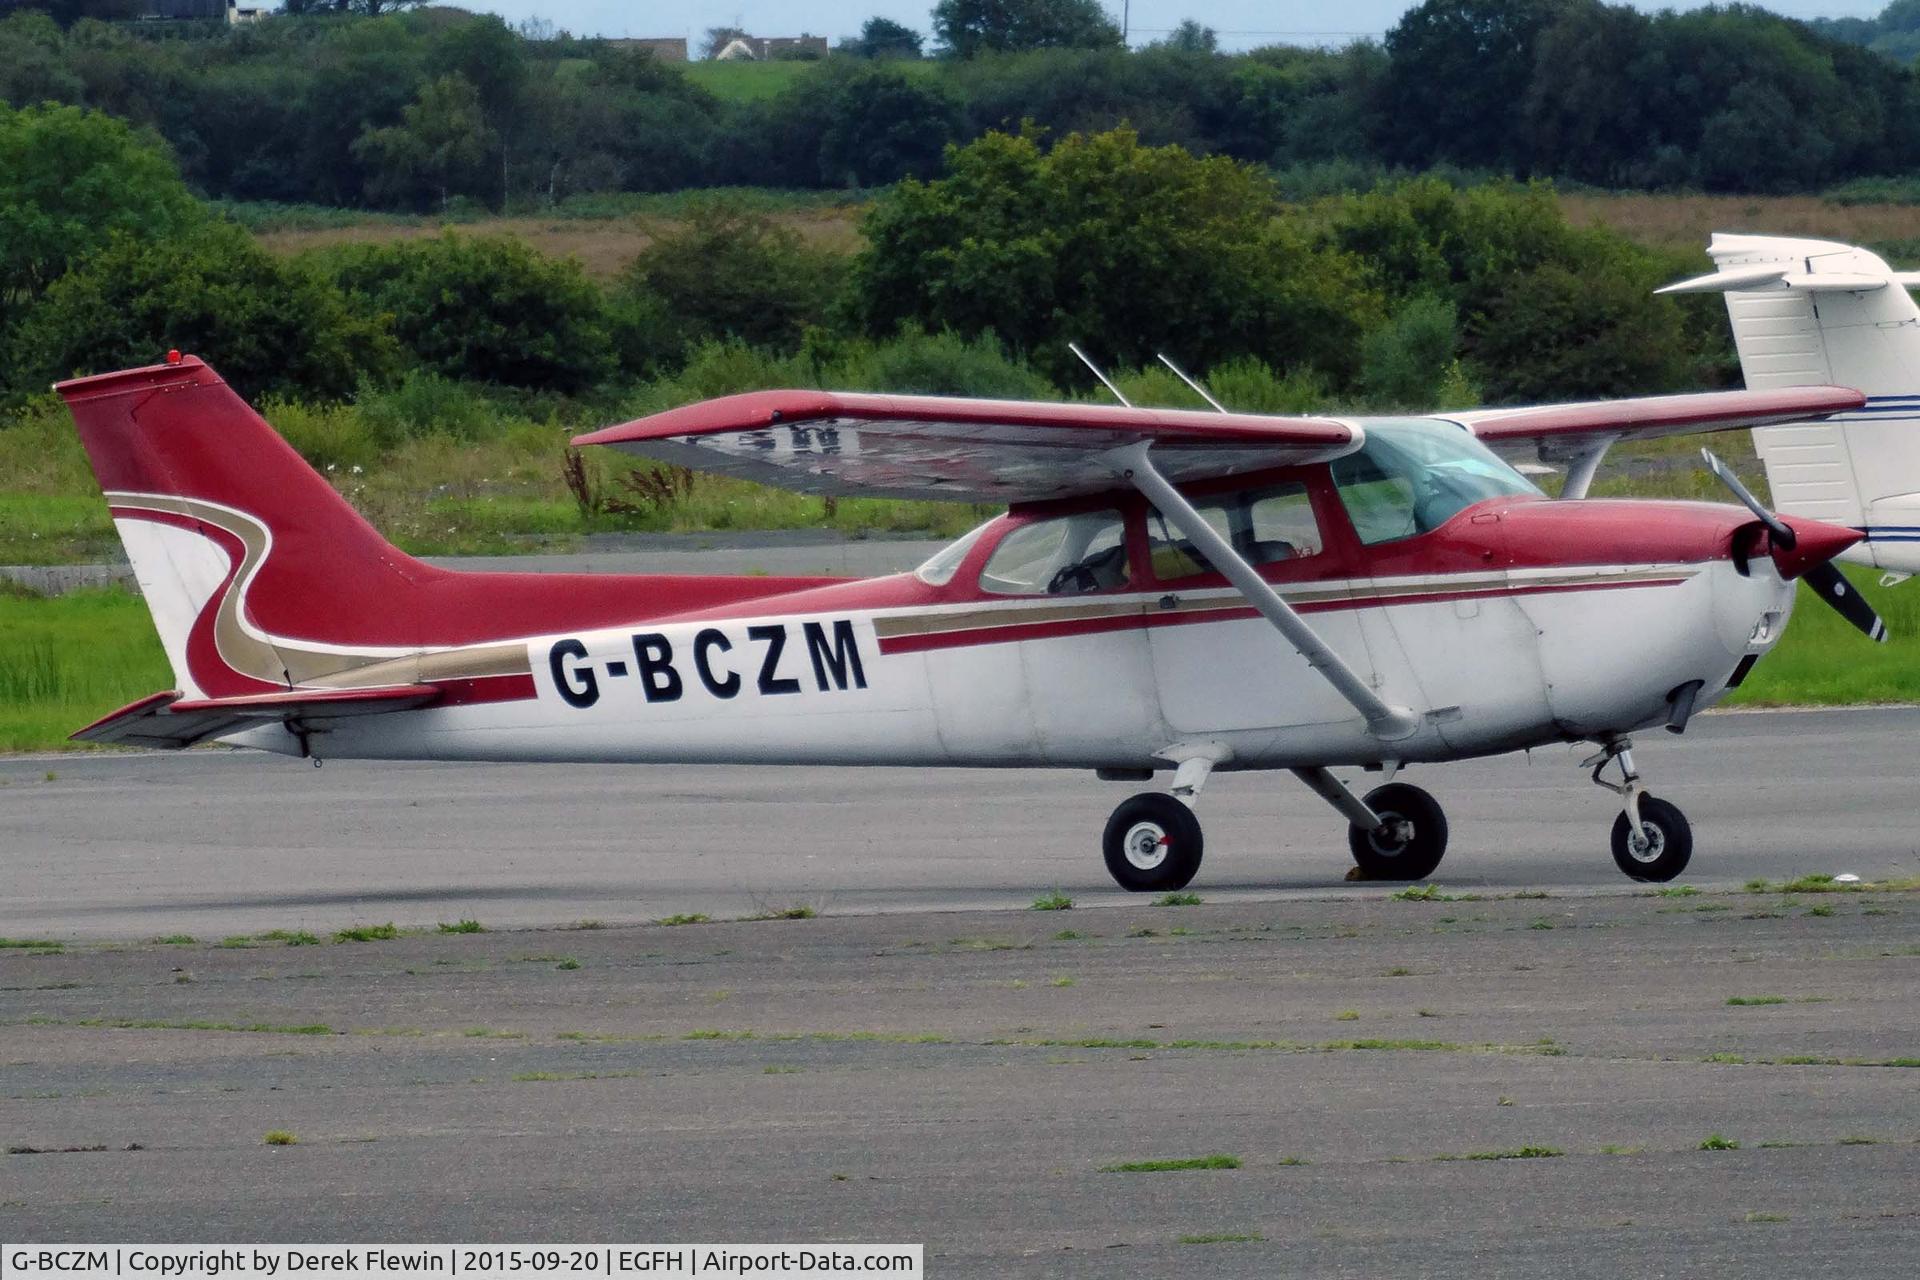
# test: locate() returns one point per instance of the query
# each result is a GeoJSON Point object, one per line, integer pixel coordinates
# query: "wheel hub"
{"type": "Point", "coordinates": [1648, 844]}
{"type": "Point", "coordinates": [1146, 845]}
{"type": "Point", "coordinates": [1392, 836]}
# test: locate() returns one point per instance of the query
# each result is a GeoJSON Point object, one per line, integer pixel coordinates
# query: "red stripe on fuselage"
{"type": "Point", "coordinates": [1139, 621]}
{"type": "Point", "coordinates": [483, 689]}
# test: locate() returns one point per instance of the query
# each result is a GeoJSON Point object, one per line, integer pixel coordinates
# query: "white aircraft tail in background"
{"type": "Point", "coordinates": [1816, 312]}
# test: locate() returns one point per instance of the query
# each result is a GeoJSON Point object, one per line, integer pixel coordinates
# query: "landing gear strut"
{"type": "Point", "coordinates": [1398, 832]}
{"type": "Point", "coordinates": [1652, 839]}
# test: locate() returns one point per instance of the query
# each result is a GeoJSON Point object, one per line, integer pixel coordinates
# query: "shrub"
{"type": "Point", "coordinates": [728, 273]}
{"type": "Point", "coordinates": [484, 309]}
{"type": "Point", "coordinates": [1405, 362]}
{"type": "Point", "coordinates": [1130, 249]}
{"type": "Point", "coordinates": [938, 364]}
{"type": "Point", "coordinates": [71, 180]}
{"type": "Point", "coordinates": [267, 326]}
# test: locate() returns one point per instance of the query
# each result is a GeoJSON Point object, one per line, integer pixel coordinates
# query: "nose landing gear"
{"type": "Point", "coordinates": [1652, 839]}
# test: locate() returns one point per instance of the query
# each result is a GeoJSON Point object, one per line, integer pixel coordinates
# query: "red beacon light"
{"type": "Point", "coordinates": [173, 356]}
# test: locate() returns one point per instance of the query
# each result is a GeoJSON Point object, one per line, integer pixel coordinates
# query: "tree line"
{"type": "Point", "coordinates": [1412, 295]}
{"type": "Point", "coordinates": [367, 104]}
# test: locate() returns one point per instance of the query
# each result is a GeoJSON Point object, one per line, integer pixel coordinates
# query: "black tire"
{"type": "Point", "coordinates": [1412, 859]}
{"type": "Point", "coordinates": [1670, 842]}
{"type": "Point", "coordinates": [1169, 861]}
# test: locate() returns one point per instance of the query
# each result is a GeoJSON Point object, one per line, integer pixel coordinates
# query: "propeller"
{"type": "Point", "coordinates": [1824, 576]}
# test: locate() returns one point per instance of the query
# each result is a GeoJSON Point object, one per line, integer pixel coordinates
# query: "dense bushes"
{"type": "Point", "coordinates": [1414, 293]}
{"type": "Point", "coordinates": [725, 273]}
{"type": "Point", "coordinates": [1129, 249]}
{"type": "Point", "coordinates": [70, 180]}
{"type": "Point", "coordinates": [270, 326]}
{"type": "Point", "coordinates": [482, 308]}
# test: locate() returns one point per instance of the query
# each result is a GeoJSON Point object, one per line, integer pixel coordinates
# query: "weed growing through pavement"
{"type": "Point", "coordinates": [1174, 1166]}
{"type": "Point", "coordinates": [368, 933]}
{"type": "Point", "coordinates": [786, 913]}
{"type": "Point", "coordinates": [1055, 901]}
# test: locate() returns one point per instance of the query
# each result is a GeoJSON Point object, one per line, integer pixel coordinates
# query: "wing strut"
{"type": "Point", "coordinates": [1384, 720]}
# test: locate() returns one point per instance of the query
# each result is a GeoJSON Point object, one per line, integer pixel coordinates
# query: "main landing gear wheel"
{"type": "Point", "coordinates": [1411, 838]}
{"type": "Point", "coordinates": [1664, 846]}
{"type": "Point", "coordinates": [1152, 844]}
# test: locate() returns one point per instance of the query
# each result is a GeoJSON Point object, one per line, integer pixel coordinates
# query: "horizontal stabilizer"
{"type": "Point", "coordinates": [1779, 279]}
{"type": "Point", "coordinates": [169, 721]}
{"type": "Point", "coordinates": [1651, 417]}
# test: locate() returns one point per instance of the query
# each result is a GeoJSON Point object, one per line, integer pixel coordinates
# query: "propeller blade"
{"type": "Point", "coordinates": [1832, 586]}
{"type": "Point", "coordinates": [1781, 533]}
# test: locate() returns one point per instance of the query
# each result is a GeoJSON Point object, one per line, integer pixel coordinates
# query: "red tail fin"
{"type": "Point", "coordinates": [260, 577]}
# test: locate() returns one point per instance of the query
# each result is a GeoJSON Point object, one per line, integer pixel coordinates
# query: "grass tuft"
{"type": "Point", "coordinates": [1422, 893]}
{"type": "Point", "coordinates": [368, 933]}
{"type": "Point", "coordinates": [280, 1138]}
{"type": "Point", "coordinates": [1517, 1153]}
{"type": "Point", "coordinates": [176, 940]}
{"type": "Point", "coordinates": [1174, 1166]}
{"type": "Point", "coordinates": [1178, 900]}
{"type": "Point", "coordinates": [786, 913]}
{"type": "Point", "coordinates": [688, 917]}
{"type": "Point", "coordinates": [1055, 901]}
{"type": "Point", "coordinates": [462, 926]}
{"type": "Point", "coordinates": [1755, 1000]}
{"type": "Point", "coordinates": [1718, 1142]}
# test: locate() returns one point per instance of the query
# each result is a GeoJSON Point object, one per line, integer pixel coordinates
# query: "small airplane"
{"type": "Point", "coordinates": [1814, 312]}
{"type": "Point", "coordinates": [1169, 590]}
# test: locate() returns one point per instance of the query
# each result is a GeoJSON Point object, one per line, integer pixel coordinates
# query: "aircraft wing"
{"type": "Point", "coordinates": [169, 721]}
{"type": "Point", "coordinates": [834, 442]}
{"type": "Point", "coordinates": [1576, 427]}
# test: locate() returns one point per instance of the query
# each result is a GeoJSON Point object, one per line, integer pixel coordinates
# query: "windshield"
{"type": "Point", "coordinates": [939, 571]}
{"type": "Point", "coordinates": [1415, 474]}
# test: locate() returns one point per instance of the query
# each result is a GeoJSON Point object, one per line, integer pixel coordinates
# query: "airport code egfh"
{"type": "Point", "coordinates": [215, 1262]}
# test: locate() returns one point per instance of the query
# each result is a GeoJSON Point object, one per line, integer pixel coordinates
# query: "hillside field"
{"type": "Point", "coordinates": [605, 244]}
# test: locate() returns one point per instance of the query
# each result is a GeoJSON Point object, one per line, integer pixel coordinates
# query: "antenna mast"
{"type": "Point", "coordinates": [1198, 390]}
{"type": "Point", "coordinates": [1104, 380]}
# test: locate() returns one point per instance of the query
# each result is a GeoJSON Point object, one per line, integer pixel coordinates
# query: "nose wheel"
{"type": "Point", "coordinates": [1409, 840]}
{"type": "Point", "coordinates": [1652, 839]}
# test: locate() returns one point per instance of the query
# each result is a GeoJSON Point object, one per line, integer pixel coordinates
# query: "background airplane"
{"type": "Point", "coordinates": [1170, 590]}
{"type": "Point", "coordinates": [1814, 312]}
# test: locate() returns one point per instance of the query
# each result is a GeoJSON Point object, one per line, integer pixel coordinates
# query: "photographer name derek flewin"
{"type": "Point", "coordinates": [220, 1261]}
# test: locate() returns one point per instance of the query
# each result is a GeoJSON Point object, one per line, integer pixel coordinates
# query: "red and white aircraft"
{"type": "Point", "coordinates": [1170, 590]}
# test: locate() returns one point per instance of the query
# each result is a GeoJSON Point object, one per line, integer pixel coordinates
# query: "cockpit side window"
{"type": "Point", "coordinates": [1413, 476]}
{"type": "Point", "coordinates": [1265, 525]}
{"type": "Point", "coordinates": [1064, 556]}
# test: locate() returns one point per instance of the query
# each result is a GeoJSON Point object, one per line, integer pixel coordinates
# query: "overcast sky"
{"type": "Point", "coordinates": [1241, 23]}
